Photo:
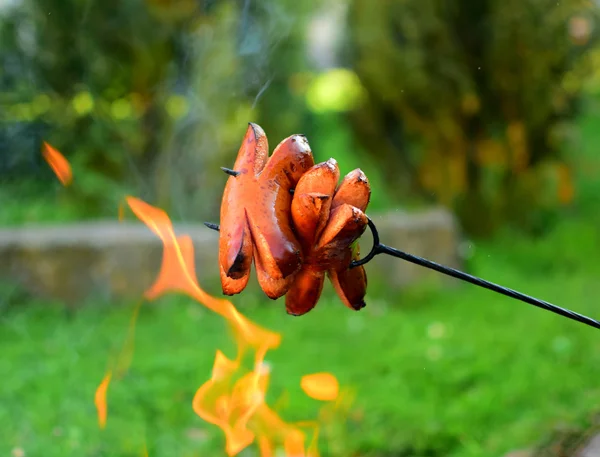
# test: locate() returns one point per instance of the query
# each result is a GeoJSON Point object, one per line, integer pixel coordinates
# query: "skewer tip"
{"type": "Point", "coordinates": [213, 226]}
{"type": "Point", "coordinates": [230, 172]}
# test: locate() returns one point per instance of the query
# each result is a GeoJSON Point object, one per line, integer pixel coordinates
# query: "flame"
{"type": "Point", "coordinates": [61, 167]}
{"type": "Point", "coordinates": [100, 399]}
{"type": "Point", "coordinates": [320, 386]}
{"type": "Point", "coordinates": [233, 398]}
{"type": "Point", "coordinates": [59, 164]}
{"type": "Point", "coordinates": [123, 362]}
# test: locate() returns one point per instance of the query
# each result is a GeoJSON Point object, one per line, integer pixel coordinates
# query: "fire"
{"type": "Point", "coordinates": [234, 397]}
{"type": "Point", "coordinates": [100, 399]}
{"type": "Point", "coordinates": [123, 362]}
{"type": "Point", "coordinates": [228, 403]}
{"type": "Point", "coordinates": [58, 163]}
{"type": "Point", "coordinates": [320, 386]}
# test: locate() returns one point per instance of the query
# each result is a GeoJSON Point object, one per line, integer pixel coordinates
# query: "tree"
{"type": "Point", "coordinates": [468, 100]}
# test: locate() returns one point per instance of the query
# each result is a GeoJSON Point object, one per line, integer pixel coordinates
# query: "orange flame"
{"type": "Point", "coordinates": [320, 386]}
{"type": "Point", "coordinates": [232, 399]}
{"type": "Point", "coordinates": [123, 362]}
{"type": "Point", "coordinates": [58, 163]}
{"type": "Point", "coordinates": [100, 400]}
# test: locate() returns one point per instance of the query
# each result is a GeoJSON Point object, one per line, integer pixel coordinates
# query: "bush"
{"type": "Point", "coordinates": [469, 102]}
{"type": "Point", "coordinates": [144, 96]}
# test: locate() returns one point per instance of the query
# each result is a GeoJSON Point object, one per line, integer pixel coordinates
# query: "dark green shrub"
{"type": "Point", "coordinates": [469, 102]}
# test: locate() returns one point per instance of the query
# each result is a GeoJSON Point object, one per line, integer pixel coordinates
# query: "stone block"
{"type": "Point", "coordinates": [111, 260]}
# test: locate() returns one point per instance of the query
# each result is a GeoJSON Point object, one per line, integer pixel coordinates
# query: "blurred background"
{"type": "Point", "coordinates": [488, 109]}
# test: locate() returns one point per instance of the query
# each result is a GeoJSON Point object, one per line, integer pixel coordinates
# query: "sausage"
{"type": "Point", "coordinates": [235, 242]}
{"type": "Point", "coordinates": [312, 201]}
{"type": "Point", "coordinates": [353, 190]}
{"type": "Point", "coordinates": [268, 210]}
{"type": "Point", "coordinates": [255, 214]}
{"type": "Point", "coordinates": [328, 221]}
{"type": "Point", "coordinates": [350, 284]}
{"type": "Point", "coordinates": [346, 224]}
{"type": "Point", "coordinates": [305, 291]}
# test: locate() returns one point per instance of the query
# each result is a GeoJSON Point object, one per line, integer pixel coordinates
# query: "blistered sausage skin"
{"type": "Point", "coordinates": [312, 201]}
{"type": "Point", "coordinates": [346, 224]}
{"type": "Point", "coordinates": [274, 241]}
{"type": "Point", "coordinates": [351, 284]}
{"type": "Point", "coordinates": [305, 291]}
{"type": "Point", "coordinates": [328, 222]}
{"type": "Point", "coordinates": [235, 240]}
{"type": "Point", "coordinates": [353, 190]}
{"type": "Point", "coordinates": [255, 214]}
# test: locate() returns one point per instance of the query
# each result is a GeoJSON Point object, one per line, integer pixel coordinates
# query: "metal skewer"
{"type": "Point", "coordinates": [379, 248]}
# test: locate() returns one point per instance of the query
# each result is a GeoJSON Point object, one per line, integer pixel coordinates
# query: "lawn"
{"type": "Point", "coordinates": [454, 373]}
{"type": "Point", "coordinates": [460, 373]}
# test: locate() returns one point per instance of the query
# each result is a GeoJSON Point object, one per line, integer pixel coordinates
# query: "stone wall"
{"type": "Point", "coordinates": [112, 260]}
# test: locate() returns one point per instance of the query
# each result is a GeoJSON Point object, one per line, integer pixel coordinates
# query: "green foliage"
{"type": "Point", "coordinates": [143, 96]}
{"type": "Point", "coordinates": [470, 102]}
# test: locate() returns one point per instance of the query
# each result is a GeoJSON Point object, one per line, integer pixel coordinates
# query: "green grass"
{"type": "Point", "coordinates": [436, 373]}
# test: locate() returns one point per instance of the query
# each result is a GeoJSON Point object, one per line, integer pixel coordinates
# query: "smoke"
{"type": "Point", "coordinates": [231, 64]}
